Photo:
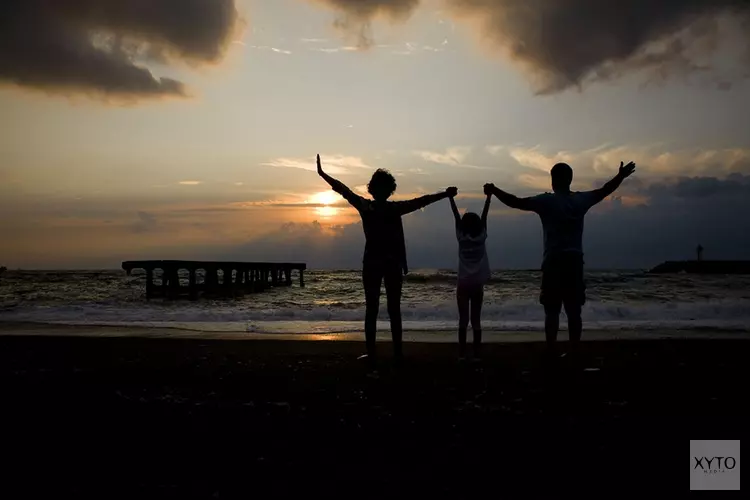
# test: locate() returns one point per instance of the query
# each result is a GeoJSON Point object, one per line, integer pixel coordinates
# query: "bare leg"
{"type": "Point", "coordinates": [371, 277]}
{"type": "Point", "coordinates": [393, 284]}
{"type": "Point", "coordinates": [462, 298]}
{"type": "Point", "coordinates": [552, 321]}
{"type": "Point", "coordinates": [575, 324]}
{"type": "Point", "coordinates": [477, 297]}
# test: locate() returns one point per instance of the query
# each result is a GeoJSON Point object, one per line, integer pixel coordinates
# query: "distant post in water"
{"type": "Point", "coordinates": [699, 252]}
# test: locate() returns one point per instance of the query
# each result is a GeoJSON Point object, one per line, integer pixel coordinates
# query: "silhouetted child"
{"type": "Point", "coordinates": [385, 248]}
{"type": "Point", "coordinates": [473, 273]}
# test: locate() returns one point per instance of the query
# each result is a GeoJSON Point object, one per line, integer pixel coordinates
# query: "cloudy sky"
{"type": "Point", "coordinates": [188, 129]}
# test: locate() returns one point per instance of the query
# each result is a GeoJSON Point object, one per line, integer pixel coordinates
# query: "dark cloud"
{"type": "Point", "coordinates": [102, 45]}
{"type": "Point", "coordinates": [565, 43]}
{"type": "Point", "coordinates": [676, 218]}
{"type": "Point", "coordinates": [357, 14]}
{"type": "Point", "coordinates": [97, 45]}
{"type": "Point", "coordinates": [365, 9]}
{"type": "Point", "coordinates": [690, 188]}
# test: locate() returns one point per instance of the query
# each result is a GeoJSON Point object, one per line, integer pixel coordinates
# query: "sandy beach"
{"type": "Point", "coordinates": [122, 413]}
{"type": "Point", "coordinates": [418, 336]}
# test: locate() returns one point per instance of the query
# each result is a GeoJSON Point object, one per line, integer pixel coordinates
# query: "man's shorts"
{"type": "Point", "coordinates": [562, 280]}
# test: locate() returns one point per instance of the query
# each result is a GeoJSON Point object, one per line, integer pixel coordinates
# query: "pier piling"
{"type": "Point", "coordinates": [236, 277]}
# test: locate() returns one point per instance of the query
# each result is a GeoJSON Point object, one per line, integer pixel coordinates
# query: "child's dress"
{"type": "Point", "coordinates": [473, 264]}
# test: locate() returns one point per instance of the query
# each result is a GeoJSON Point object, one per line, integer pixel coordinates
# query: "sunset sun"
{"type": "Point", "coordinates": [326, 199]}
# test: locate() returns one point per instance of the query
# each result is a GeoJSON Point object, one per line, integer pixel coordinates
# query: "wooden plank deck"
{"type": "Point", "coordinates": [219, 278]}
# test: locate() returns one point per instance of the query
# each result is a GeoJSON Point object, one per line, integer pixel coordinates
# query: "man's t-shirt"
{"type": "Point", "coordinates": [562, 219]}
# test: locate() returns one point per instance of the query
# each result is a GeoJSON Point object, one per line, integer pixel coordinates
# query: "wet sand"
{"type": "Point", "coordinates": [123, 416]}
{"type": "Point", "coordinates": [421, 336]}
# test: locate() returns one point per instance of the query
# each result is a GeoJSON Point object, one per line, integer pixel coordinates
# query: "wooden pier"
{"type": "Point", "coordinates": [219, 278]}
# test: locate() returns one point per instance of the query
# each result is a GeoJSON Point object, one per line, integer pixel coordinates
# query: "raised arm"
{"type": "Point", "coordinates": [408, 206]}
{"type": "Point", "coordinates": [486, 210]}
{"type": "Point", "coordinates": [509, 199]}
{"type": "Point", "coordinates": [607, 189]}
{"type": "Point", "coordinates": [341, 188]}
{"type": "Point", "coordinates": [456, 213]}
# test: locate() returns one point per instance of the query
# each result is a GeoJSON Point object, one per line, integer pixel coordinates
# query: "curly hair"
{"type": "Point", "coordinates": [382, 184]}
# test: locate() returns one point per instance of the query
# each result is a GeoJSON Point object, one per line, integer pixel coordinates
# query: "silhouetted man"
{"type": "Point", "coordinates": [385, 249]}
{"type": "Point", "coordinates": [562, 213]}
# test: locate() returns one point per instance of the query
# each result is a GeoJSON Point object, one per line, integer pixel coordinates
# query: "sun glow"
{"type": "Point", "coordinates": [326, 199]}
{"type": "Point", "coordinates": [327, 211]}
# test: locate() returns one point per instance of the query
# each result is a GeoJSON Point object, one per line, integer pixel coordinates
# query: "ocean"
{"type": "Point", "coordinates": [333, 302]}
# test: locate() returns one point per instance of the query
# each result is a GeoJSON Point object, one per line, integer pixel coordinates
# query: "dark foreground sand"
{"type": "Point", "coordinates": [186, 418]}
